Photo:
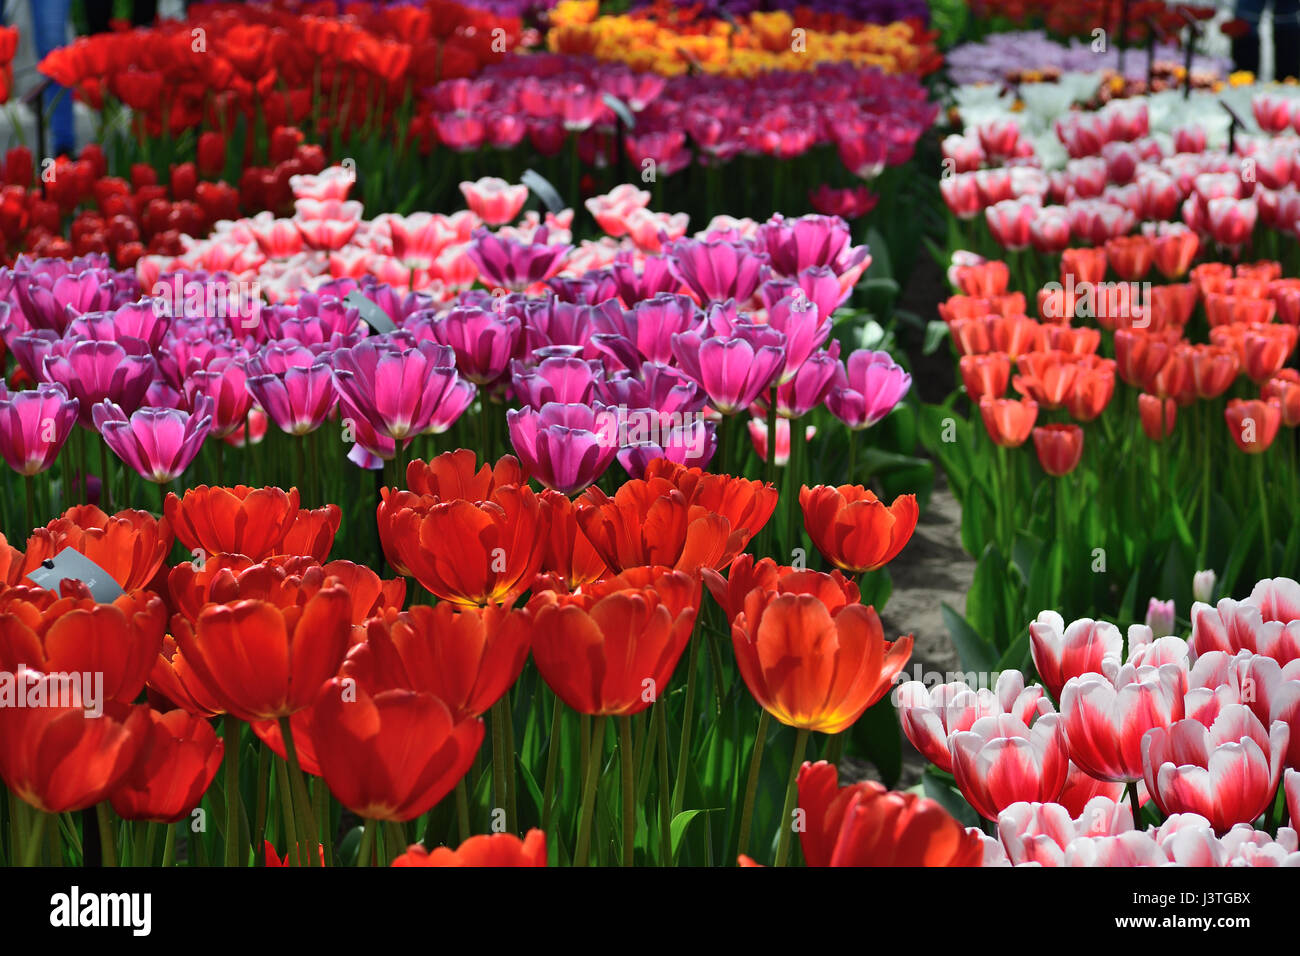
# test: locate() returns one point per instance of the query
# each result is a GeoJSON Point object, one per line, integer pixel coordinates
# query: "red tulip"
{"type": "Point", "coordinates": [1007, 420]}
{"type": "Point", "coordinates": [393, 755]}
{"type": "Point", "coordinates": [1158, 416]}
{"type": "Point", "coordinates": [130, 545]}
{"type": "Point", "coordinates": [746, 574]}
{"type": "Point", "coordinates": [1253, 424]}
{"type": "Point", "coordinates": [238, 520]}
{"type": "Point", "coordinates": [488, 849]}
{"type": "Point", "coordinates": [1059, 448]}
{"type": "Point", "coordinates": [180, 755]}
{"type": "Point", "coordinates": [1000, 761]}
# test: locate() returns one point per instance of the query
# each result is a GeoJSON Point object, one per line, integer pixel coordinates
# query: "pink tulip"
{"type": "Point", "coordinates": [565, 447]}
{"type": "Point", "coordinates": [482, 339]}
{"type": "Point", "coordinates": [1042, 832]}
{"type": "Point", "coordinates": [1267, 622]}
{"type": "Point", "coordinates": [871, 385]}
{"type": "Point", "coordinates": [293, 386]}
{"type": "Point", "coordinates": [94, 372]}
{"type": "Point", "coordinates": [930, 715]}
{"type": "Point", "coordinates": [1134, 848]}
{"type": "Point", "coordinates": [494, 200]}
{"type": "Point", "coordinates": [1000, 761]}
{"type": "Point", "coordinates": [1227, 772]}
{"type": "Point", "coordinates": [718, 270]}
{"type": "Point", "coordinates": [225, 382]}
{"type": "Point", "coordinates": [34, 425]}
{"type": "Point", "coordinates": [159, 443]}
{"type": "Point", "coordinates": [398, 391]}
{"type": "Point", "coordinates": [1061, 652]}
{"type": "Point", "coordinates": [611, 210]}
{"type": "Point", "coordinates": [1272, 692]}
{"type": "Point", "coordinates": [1104, 721]}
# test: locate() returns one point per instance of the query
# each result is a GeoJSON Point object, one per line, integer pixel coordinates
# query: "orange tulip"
{"type": "Point", "coordinates": [239, 520]}
{"type": "Point", "coordinates": [1046, 377]}
{"type": "Point", "coordinates": [1084, 265]}
{"type": "Point", "coordinates": [1130, 256]}
{"type": "Point", "coordinates": [853, 529]}
{"type": "Point", "coordinates": [867, 825]}
{"type": "Point", "coordinates": [1265, 349]}
{"type": "Point", "coordinates": [1075, 341]}
{"type": "Point", "coordinates": [180, 755]}
{"type": "Point", "coordinates": [487, 849]}
{"type": "Point", "coordinates": [569, 557]}
{"type": "Point", "coordinates": [467, 657]}
{"type": "Point", "coordinates": [746, 574]}
{"type": "Point", "coordinates": [130, 545]}
{"type": "Point", "coordinates": [1094, 386]}
{"type": "Point", "coordinates": [1214, 368]}
{"type": "Point", "coordinates": [393, 755]}
{"type": "Point", "coordinates": [467, 552]}
{"type": "Point", "coordinates": [1253, 424]}
{"type": "Point", "coordinates": [261, 661]}
{"type": "Point", "coordinates": [1059, 448]}
{"type": "Point", "coordinates": [1173, 253]}
{"type": "Point", "coordinates": [76, 635]}
{"type": "Point", "coordinates": [313, 532]}
{"type": "Point", "coordinates": [812, 669]}
{"type": "Point", "coordinates": [1008, 421]}
{"type": "Point", "coordinates": [451, 475]}
{"type": "Point", "coordinates": [683, 519]}
{"type": "Point", "coordinates": [611, 648]}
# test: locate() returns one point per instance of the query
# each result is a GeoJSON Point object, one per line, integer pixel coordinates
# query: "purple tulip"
{"type": "Point", "coordinates": [805, 331]}
{"type": "Point", "coordinates": [651, 324]}
{"type": "Point", "coordinates": [664, 388]}
{"type": "Point", "coordinates": [565, 447]}
{"type": "Point", "coordinates": [94, 372]}
{"type": "Point", "coordinates": [135, 320]}
{"type": "Point", "coordinates": [397, 390]}
{"type": "Point", "coordinates": [482, 340]}
{"type": "Point", "coordinates": [30, 348]}
{"type": "Point", "coordinates": [34, 425]}
{"type": "Point", "coordinates": [513, 264]}
{"type": "Point", "coordinates": [692, 444]}
{"type": "Point", "coordinates": [718, 270]}
{"type": "Point", "coordinates": [563, 380]}
{"type": "Point", "coordinates": [455, 402]}
{"type": "Point", "coordinates": [294, 387]}
{"type": "Point", "coordinates": [732, 371]}
{"type": "Point", "coordinates": [50, 296]}
{"type": "Point", "coordinates": [795, 244]}
{"type": "Point", "coordinates": [225, 382]}
{"type": "Point", "coordinates": [159, 443]}
{"type": "Point", "coordinates": [655, 278]}
{"type": "Point", "coordinates": [811, 383]}
{"type": "Point", "coordinates": [552, 322]}
{"type": "Point", "coordinates": [873, 385]}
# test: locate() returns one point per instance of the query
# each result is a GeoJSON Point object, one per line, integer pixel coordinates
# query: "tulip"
{"type": "Point", "coordinates": [732, 371]}
{"type": "Point", "coordinates": [159, 443]}
{"type": "Point", "coordinates": [293, 386]}
{"type": "Point", "coordinates": [1001, 761]}
{"type": "Point", "coordinates": [1160, 617]}
{"type": "Point", "coordinates": [810, 668]}
{"type": "Point", "coordinates": [116, 641]}
{"type": "Point", "coordinates": [61, 758]}
{"type": "Point", "coordinates": [611, 649]}
{"type": "Point", "coordinates": [565, 447]}
{"type": "Point", "coordinates": [676, 517]}
{"type": "Point", "coordinates": [180, 756]}
{"type": "Point", "coordinates": [745, 575]}
{"type": "Point", "coordinates": [1203, 586]}
{"type": "Point", "coordinates": [853, 529]}
{"type": "Point", "coordinates": [400, 392]}
{"type": "Point", "coordinates": [1060, 653]}
{"type": "Point", "coordinates": [95, 372]}
{"type": "Point", "coordinates": [1043, 833]}
{"type": "Point", "coordinates": [985, 375]}
{"type": "Point", "coordinates": [466, 657]}
{"type": "Point", "coordinates": [482, 340]}
{"type": "Point", "coordinates": [494, 200]}
{"type": "Point", "coordinates": [562, 379]}
{"type": "Point", "coordinates": [391, 755]}
{"type": "Point", "coordinates": [260, 661]}
{"type": "Point", "coordinates": [931, 715]}
{"type": "Point", "coordinates": [240, 520]}
{"type": "Point", "coordinates": [1284, 388]}
{"type": "Point", "coordinates": [451, 475]}
{"type": "Point", "coordinates": [867, 825]}
{"type": "Point", "coordinates": [1104, 721]}
{"type": "Point", "coordinates": [470, 552]}
{"type": "Point", "coordinates": [1227, 772]}
{"type": "Point", "coordinates": [1059, 448]}
{"type": "Point", "coordinates": [1253, 424]}
{"type": "Point", "coordinates": [34, 425]}
{"type": "Point", "coordinates": [1267, 622]}
{"type": "Point", "coordinates": [486, 849]}
{"type": "Point", "coordinates": [1157, 416]}
{"type": "Point", "coordinates": [312, 532]}
{"type": "Point", "coordinates": [718, 270]}
{"type": "Point", "coordinates": [130, 545]}
{"type": "Point", "coordinates": [1008, 421]}
{"type": "Point", "coordinates": [513, 264]}
{"type": "Point", "coordinates": [871, 386]}
{"type": "Point", "coordinates": [224, 383]}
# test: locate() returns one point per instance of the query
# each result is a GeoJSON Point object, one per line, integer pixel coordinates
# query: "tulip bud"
{"type": "Point", "coordinates": [1203, 586]}
{"type": "Point", "coordinates": [1160, 617]}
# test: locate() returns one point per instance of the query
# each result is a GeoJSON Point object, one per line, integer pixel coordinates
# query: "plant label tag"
{"type": "Point", "coordinates": [71, 563]}
{"type": "Point", "coordinates": [371, 314]}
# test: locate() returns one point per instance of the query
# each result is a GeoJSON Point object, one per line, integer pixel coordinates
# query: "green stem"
{"type": "Point", "coordinates": [301, 800]}
{"type": "Point", "coordinates": [595, 752]}
{"type": "Point", "coordinates": [665, 803]}
{"type": "Point", "coordinates": [169, 846]}
{"type": "Point", "coordinates": [107, 833]}
{"type": "Point", "coordinates": [498, 756]}
{"type": "Point", "coordinates": [368, 828]}
{"type": "Point", "coordinates": [230, 730]}
{"type": "Point", "coordinates": [286, 809]}
{"type": "Point", "coordinates": [688, 716]}
{"type": "Point", "coordinates": [462, 809]}
{"type": "Point", "coordinates": [1265, 518]}
{"type": "Point", "coordinates": [627, 762]}
{"type": "Point", "coordinates": [791, 793]}
{"type": "Point", "coordinates": [32, 848]}
{"type": "Point", "coordinates": [751, 784]}
{"type": "Point", "coordinates": [552, 759]}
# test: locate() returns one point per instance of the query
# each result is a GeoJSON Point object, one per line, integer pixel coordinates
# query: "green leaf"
{"type": "Point", "coordinates": [677, 829]}
{"type": "Point", "coordinates": [976, 654]}
{"type": "Point", "coordinates": [949, 797]}
{"type": "Point", "coordinates": [936, 331]}
{"type": "Point", "coordinates": [877, 737]}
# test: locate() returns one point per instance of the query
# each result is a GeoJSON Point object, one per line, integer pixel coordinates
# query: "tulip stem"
{"type": "Point", "coordinates": [665, 805]}
{"type": "Point", "coordinates": [286, 807]}
{"type": "Point", "coordinates": [29, 483]}
{"type": "Point", "coordinates": [627, 762]}
{"type": "Point", "coordinates": [169, 846]}
{"type": "Point", "coordinates": [512, 817]}
{"type": "Point", "coordinates": [499, 757]}
{"type": "Point", "coordinates": [230, 728]}
{"type": "Point", "coordinates": [107, 834]}
{"type": "Point", "coordinates": [769, 466]}
{"type": "Point", "coordinates": [552, 759]}
{"type": "Point", "coordinates": [263, 779]}
{"type": "Point", "coordinates": [1264, 516]}
{"type": "Point", "coordinates": [368, 828]}
{"type": "Point", "coordinates": [688, 716]}
{"type": "Point", "coordinates": [302, 802]}
{"type": "Point", "coordinates": [34, 835]}
{"type": "Point", "coordinates": [1135, 803]}
{"type": "Point", "coordinates": [462, 809]}
{"type": "Point", "coordinates": [751, 784]}
{"type": "Point", "coordinates": [853, 457]}
{"type": "Point", "coordinates": [106, 476]}
{"type": "Point", "coordinates": [791, 793]}
{"type": "Point", "coordinates": [593, 757]}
